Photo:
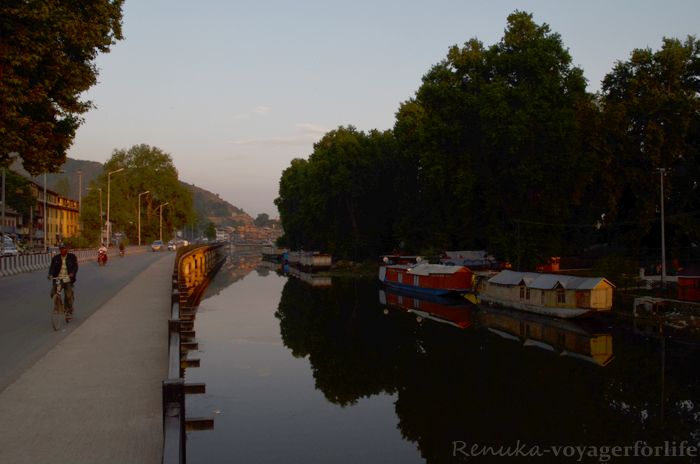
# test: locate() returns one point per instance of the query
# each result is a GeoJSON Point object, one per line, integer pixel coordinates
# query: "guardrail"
{"type": "Point", "coordinates": [190, 279]}
{"type": "Point", "coordinates": [30, 262]}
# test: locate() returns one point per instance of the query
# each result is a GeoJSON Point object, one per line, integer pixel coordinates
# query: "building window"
{"type": "Point", "coordinates": [522, 292]}
{"type": "Point", "coordinates": [561, 296]}
{"type": "Point", "coordinates": [527, 293]}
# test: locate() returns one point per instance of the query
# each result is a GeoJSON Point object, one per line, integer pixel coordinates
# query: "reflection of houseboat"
{"type": "Point", "coordinates": [311, 279]}
{"type": "Point", "coordinates": [566, 338]}
{"type": "Point", "coordinates": [274, 253]}
{"type": "Point", "coordinates": [436, 279]}
{"type": "Point", "coordinates": [548, 294]}
{"type": "Point", "coordinates": [453, 311]}
{"type": "Point", "coordinates": [315, 261]}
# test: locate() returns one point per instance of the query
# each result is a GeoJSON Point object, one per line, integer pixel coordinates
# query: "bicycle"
{"type": "Point", "coordinates": [58, 307]}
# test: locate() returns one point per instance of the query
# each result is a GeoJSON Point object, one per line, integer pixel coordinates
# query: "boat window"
{"type": "Point", "coordinates": [561, 296]}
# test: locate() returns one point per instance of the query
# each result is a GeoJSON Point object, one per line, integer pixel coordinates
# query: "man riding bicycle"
{"type": "Point", "coordinates": [65, 266]}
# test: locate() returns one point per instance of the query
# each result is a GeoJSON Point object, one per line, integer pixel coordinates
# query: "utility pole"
{"type": "Point", "coordinates": [662, 173]}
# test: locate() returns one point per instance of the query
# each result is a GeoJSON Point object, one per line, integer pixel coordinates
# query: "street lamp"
{"type": "Point", "coordinates": [161, 218]}
{"type": "Point", "coordinates": [100, 206]}
{"type": "Point", "coordinates": [662, 173]}
{"type": "Point", "coordinates": [80, 201]}
{"type": "Point", "coordinates": [108, 180]}
{"type": "Point", "coordinates": [147, 191]}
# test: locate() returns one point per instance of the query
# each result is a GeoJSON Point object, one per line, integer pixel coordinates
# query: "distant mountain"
{"type": "Point", "coordinates": [217, 210]}
{"type": "Point", "coordinates": [207, 204]}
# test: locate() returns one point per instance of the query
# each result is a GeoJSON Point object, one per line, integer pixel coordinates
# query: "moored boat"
{"type": "Point", "coordinates": [274, 253]}
{"type": "Point", "coordinates": [549, 294]}
{"type": "Point", "coordinates": [435, 279]}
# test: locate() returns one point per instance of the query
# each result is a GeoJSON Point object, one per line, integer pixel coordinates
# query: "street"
{"type": "Point", "coordinates": [25, 308]}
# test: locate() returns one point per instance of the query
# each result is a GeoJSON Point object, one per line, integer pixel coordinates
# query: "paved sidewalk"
{"type": "Point", "coordinates": [96, 397]}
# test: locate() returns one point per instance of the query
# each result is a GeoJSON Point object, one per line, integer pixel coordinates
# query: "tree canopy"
{"type": "Point", "coordinates": [146, 169]}
{"type": "Point", "coordinates": [502, 149]}
{"type": "Point", "coordinates": [47, 60]}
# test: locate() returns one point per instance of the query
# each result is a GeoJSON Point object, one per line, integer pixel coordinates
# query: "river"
{"type": "Point", "coordinates": [348, 373]}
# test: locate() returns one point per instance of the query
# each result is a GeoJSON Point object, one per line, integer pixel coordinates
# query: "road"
{"type": "Point", "coordinates": [25, 306]}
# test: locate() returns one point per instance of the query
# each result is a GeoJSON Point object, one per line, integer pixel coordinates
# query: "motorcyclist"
{"type": "Point", "coordinates": [121, 249]}
{"type": "Point", "coordinates": [102, 252]}
{"type": "Point", "coordinates": [65, 266]}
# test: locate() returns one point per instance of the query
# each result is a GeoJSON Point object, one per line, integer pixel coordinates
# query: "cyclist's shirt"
{"type": "Point", "coordinates": [63, 273]}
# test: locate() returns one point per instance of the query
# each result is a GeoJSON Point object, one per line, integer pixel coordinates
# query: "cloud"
{"type": "Point", "coordinates": [262, 110]}
{"type": "Point", "coordinates": [310, 135]}
{"type": "Point", "coordinates": [241, 116]}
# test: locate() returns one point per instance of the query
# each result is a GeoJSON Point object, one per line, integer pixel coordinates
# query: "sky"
{"type": "Point", "coordinates": [234, 90]}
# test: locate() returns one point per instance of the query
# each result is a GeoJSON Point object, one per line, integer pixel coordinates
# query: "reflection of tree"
{"type": "Point", "coordinates": [474, 386]}
{"type": "Point", "coordinates": [236, 267]}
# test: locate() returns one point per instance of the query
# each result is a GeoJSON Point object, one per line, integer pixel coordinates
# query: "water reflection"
{"type": "Point", "coordinates": [235, 268]}
{"type": "Point", "coordinates": [489, 376]}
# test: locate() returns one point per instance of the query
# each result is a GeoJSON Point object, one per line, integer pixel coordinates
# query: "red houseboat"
{"type": "Point", "coordinates": [435, 279]}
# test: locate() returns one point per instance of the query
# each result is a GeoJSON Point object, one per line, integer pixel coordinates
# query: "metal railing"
{"type": "Point", "coordinates": [181, 338]}
{"type": "Point", "coordinates": [30, 262]}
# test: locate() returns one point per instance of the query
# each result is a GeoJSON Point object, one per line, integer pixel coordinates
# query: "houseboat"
{"type": "Point", "coordinates": [549, 294]}
{"type": "Point", "coordinates": [435, 279]}
{"type": "Point", "coordinates": [274, 253]}
{"type": "Point", "coordinates": [315, 261]}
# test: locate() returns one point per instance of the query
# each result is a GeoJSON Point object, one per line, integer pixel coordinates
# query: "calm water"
{"type": "Point", "coordinates": [350, 374]}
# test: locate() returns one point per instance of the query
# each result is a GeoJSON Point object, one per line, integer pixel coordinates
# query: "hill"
{"type": "Point", "coordinates": [209, 206]}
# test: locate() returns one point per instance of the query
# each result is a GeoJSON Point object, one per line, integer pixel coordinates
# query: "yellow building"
{"type": "Point", "coordinates": [60, 220]}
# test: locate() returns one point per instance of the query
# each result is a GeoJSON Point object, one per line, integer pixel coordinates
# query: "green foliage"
{"type": "Point", "coordinates": [342, 200]}
{"type": "Point", "coordinates": [145, 169]}
{"type": "Point", "coordinates": [210, 231]}
{"type": "Point", "coordinates": [62, 187]}
{"type": "Point", "coordinates": [652, 109]}
{"type": "Point", "coordinates": [503, 150]}
{"type": "Point", "coordinates": [18, 193]}
{"type": "Point", "coordinates": [491, 139]}
{"type": "Point", "coordinates": [47, 60]}
{"type": "Point", "coordinates": [618, 269]}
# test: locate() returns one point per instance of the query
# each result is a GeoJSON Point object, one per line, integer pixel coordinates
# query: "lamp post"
{"type": "Point", "coordinates": [80, 201]}
{"type": "Point", "coordinates": [161, 218]}
{"type": "Point", "coordinates": [108, 180]}
{"type": "Point", "coordinates": [2, 225]}
{"type": "Point", "coordinates": [147, 191]}
{"type": "Point", "coordinates": [100, 207]}
{"type": "Point", "coordinates": [662, 173]}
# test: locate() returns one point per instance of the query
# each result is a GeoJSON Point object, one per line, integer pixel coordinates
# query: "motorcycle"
{"type": "Point", "coordinates": [121, 252]}
{"type": "Point", "coordinates": [102, 258]}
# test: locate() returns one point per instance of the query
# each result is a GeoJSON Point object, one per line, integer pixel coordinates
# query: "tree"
{"type": "Point", "coordinates": [494, 139]}
{"type": "Point", "coordinates": [47, 60]}
{"type": "Point", "coordinates": [18, 193]}
{"type": "Point", "coordinates": [652, 107]}
{"type": "Point", "coordinates": [342, 199]}
{"type": "Point", "coordinates": [62, 187]}
{"type": "Point", "coordinates": [210, 231]}
{"type": "Point", "coordinates": [145, 169]}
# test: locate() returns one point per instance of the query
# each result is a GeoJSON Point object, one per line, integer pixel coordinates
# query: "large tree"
{"type": "Point", "coordinates": [651, 106]}
{"type": "Point", "coordinates": [342, 200]}
{"type": "Point", "coordinates": [47, 60]}
{"type": "Point", "coordinates": [145, 169]}
{"type": "Point", "coordinates": [493, 133]}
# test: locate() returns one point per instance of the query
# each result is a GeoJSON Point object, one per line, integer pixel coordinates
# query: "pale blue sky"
{"type": "Point", "coordinates": [235, 90]}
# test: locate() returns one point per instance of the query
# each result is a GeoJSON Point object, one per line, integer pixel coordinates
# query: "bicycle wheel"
{"type": "Point", "coordinates": [56, 311]}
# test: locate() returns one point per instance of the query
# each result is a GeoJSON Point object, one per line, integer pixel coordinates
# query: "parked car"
{"type": "Point", "coordinates": [158, 245]}
{"type": "Point", "coordinates": [9, 248]}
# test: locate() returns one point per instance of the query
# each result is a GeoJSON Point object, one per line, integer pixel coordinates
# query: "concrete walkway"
{"type": "Point", "coordinates": [96, 397]}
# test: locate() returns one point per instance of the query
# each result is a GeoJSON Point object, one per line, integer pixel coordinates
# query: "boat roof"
{"type": "Point", "coordinates": [427, 269]}
{"type": "Point", "coordinates": [535, 280]}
